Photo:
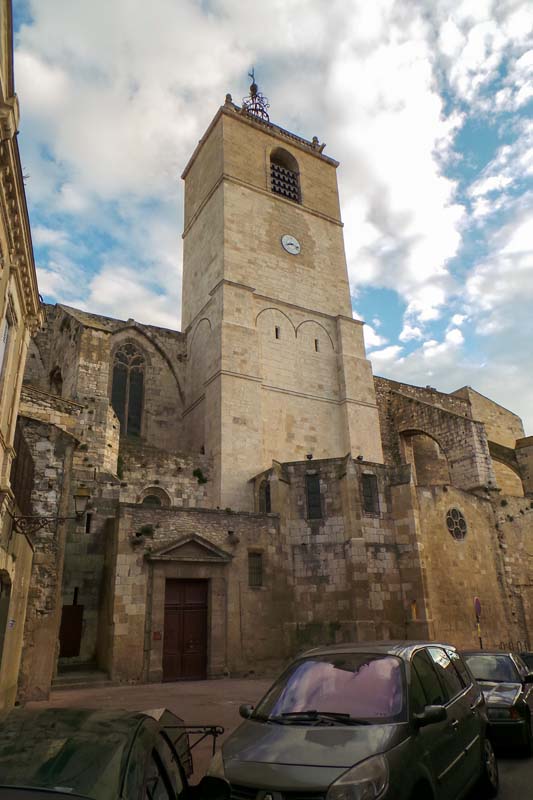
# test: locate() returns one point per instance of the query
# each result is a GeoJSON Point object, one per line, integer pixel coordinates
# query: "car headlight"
{"type": "Point", "coordinates": [216, 767]}
{"type": "Point", "coordinates": [366, 781]}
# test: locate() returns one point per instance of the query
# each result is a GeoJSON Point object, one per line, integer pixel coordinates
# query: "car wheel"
{"type": "Point", "coordinates": [489, 780]}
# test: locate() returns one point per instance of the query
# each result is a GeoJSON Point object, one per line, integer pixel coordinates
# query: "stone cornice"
{"type": "Point", "coordinates": [14, 213]}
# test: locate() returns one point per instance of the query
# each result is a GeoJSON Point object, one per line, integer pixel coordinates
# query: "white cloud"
{"type": "Point", "coordinates": [409, 332]}
{"type": "Point", "coordinates": [373, 339]}
{"type": "Point", "coordinates": [458, 319]}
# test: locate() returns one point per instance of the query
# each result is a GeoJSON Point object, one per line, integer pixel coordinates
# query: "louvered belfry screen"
{"type": "Point", "coordinates": [284, 182]}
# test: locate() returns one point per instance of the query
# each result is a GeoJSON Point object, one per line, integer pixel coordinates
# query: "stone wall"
{"type": "Point", "coordinates": [501, 425]}
{"type": "Point", "coordinates": [52, 450]}
{"type": "Point", "coordinates": [245, 623]}
{"type": "Point", "coordinates": [459, 570]}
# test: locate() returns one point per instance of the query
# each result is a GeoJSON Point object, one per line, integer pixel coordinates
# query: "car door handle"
{"type": "Point", "coordinates": [455, 724]}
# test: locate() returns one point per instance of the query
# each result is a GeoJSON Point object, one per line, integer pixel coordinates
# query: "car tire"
{"type": "Point", "coordinates": [489, 780]}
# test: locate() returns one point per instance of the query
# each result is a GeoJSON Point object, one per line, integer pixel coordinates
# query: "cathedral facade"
{"type": "Point", "coordinates": [255, 489]}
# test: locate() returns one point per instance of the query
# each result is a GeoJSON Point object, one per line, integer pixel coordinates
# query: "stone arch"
{"type": "Point", "coordinates": [155, 496]}
{"type": "Point", "coordinates": [195, 329]}
{"type": "Point", "coordinates": [138, 330]}
{"type": "Point", "coordinates": [318, 325]}
{"type": "Point", "coordinates": [462, 440]}
{"type": "Point", "coordinates": [427, 457]}
{"type": "Point", "coordinates": [506, 469]}
{"type": "Point", "coordinates": [278, 311]}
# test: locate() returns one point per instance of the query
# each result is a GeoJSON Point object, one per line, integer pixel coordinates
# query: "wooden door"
{"type": "Point", "coordinates": [185, 635]}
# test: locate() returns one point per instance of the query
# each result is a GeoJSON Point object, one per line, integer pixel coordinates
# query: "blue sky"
{"type": "Point", "coordinates": [426, 103]}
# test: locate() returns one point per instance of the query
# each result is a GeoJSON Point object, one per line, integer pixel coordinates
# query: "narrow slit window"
{"type": "Point", "coordinates": [370, 494]}
{"type": "Point", "coordinates": [317, 346]}
{"type": "Point", "coordinates": [277, 332]}
{"type": "Point", "coordinates": [314, 505]}
{"type": "Point", "coordinates": [264, 498]}
{"type": "Point", "coordinates": [255, 570]}
{"type": "Point", "coordinates": [88, 521]}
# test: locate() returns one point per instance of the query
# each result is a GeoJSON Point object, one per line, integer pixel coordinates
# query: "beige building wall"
{"type": "Point", "coordinates": [277, 367]}
{"type": "Point", "coordinates": [19, 315]}
{"type": "Point", "coordinates": [501, 425]}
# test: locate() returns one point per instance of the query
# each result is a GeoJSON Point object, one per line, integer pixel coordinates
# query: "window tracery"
{"type": "Point", "coordinates": [127, 391]}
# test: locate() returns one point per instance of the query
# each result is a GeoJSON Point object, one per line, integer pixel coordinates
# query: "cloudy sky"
{"type": "Point", "coordinates": [426, 103]}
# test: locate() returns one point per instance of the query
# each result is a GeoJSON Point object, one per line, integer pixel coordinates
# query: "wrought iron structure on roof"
{"type": "Point", "coordinates": [256, 103]}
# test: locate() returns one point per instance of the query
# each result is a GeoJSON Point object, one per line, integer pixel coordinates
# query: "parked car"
{"type": "Point", "coordinates": [395, 721]}
{"type": "Point", "coordinates": [102, 755]}
{"type": "Point", "coordinates": [507, 685]}
{"type": "Point", "coordinates": [527, 658]}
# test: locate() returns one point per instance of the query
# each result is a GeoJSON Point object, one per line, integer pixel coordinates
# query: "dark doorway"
{"type": "Point", "coordinates": [70, 631]}
{"type": "Point", "coordinates": [185, 636]}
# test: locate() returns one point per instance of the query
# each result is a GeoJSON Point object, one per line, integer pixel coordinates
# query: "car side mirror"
{"type": "Point", "coordinates": [211, 788]}
{"type": "Point", "coordinates": [528, 678]}
{"type": "Point", "coordinates": [430, 715]}
{"type": "Point", "coordinates": [246, 710]}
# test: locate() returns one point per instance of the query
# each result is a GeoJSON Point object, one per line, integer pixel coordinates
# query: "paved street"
{"type": "Point", "coordinates": [217, 702]}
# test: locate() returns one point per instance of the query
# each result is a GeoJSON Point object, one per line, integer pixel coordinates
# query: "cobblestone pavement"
{"type": "Point", "coordinates": [217, 702]}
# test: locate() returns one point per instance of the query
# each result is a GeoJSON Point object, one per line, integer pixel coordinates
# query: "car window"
{"type": "Point", "coordinates": [157, 784]}
{"type": "Point", "coordinates": [520, 664]}
{"type": "Point", "coordinates": [417, 697]}
{"type": "Point", "coordinates": [428, 678]}
{"type": "Point", "coordinates": [491, 667]}
{"type": "Point", "coordinates": [461, 667]}
{"type": "Point", "coordinates": [171, 763]}
{"type": "Point", "coordinates": [527, 658]}
{"type": "Point", "coordinates": [446, 672]}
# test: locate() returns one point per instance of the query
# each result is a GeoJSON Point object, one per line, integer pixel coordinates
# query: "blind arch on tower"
{"type": "Point", "coordinates": [127, 391]}
{"type": "Point", "coordinates": [285, 175]}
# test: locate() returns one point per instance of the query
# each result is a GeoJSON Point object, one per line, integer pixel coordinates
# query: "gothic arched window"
{"type": "Point", "coordinates": [265, 506]}
{"type": "Point", "coordinates": [285, 175]}
{"type": "Point", "coordinates": [128, 388]}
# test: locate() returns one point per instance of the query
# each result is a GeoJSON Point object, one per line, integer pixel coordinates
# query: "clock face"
{"type": "Point", "coordinates": [290, 244]}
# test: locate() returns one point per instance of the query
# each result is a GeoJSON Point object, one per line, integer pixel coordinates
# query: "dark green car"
{"type": "Point", "coordinates": [101, 755]}
{"type": "Point", "coordinates": [394, 721]}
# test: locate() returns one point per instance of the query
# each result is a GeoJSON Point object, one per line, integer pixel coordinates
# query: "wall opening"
{"type": "Point", "coordinates": [285, 175]}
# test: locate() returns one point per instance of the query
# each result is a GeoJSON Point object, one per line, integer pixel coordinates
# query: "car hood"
{"type": "Point", "coordinates": [336, 746]}
{"type": "Point", "coordinates": [500, 694]}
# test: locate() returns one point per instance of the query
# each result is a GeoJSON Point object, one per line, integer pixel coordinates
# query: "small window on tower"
{"type": "Point", "coordinates": [278, 332]}
{"type": "Point", "coordinates": [370, 493]}
{"type": "Point", "coordinates": [285, 175]}
{"type": "Point", "coordinates": [255, 570]}
{"type": "Point", "coordinates": [317, 346]}
{"type": "Point", "coordinates": [314, 505]}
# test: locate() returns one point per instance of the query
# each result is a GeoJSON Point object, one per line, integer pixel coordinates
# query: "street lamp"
{"type": "Point", "coordinates": [30, 525]}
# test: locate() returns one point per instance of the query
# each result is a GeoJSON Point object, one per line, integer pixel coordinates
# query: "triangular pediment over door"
{"type": "Point", "coordinates": [190, 548]}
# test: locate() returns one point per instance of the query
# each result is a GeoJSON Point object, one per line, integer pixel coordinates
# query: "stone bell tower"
{"type": "Point", "coordinates": [276, 365]}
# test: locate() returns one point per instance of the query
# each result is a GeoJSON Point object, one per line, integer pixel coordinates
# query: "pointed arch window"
{"type": "Point", "coordinates": [128, 388]}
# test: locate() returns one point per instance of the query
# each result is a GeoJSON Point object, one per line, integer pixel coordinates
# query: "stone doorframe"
{"type": "Point", "coordinates": [190, 558]}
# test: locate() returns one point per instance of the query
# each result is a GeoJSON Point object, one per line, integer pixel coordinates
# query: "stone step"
{"type": "Point", "coordinates": [81, 680]}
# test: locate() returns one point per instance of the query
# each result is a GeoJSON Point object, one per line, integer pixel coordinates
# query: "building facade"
{"type": "Point", "coordinates": [255, 489]}
{"type": "Point", "coordinates": [20, 315]}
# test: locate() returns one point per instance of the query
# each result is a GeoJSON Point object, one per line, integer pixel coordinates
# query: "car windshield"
{"type": "Point", "coordinates": [359, 686]}
{"type": "Point", "coordinates": [500, 669]}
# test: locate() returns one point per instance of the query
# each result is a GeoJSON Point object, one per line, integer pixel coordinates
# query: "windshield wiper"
{"type": "Point", "coordinates": [312, 715]}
